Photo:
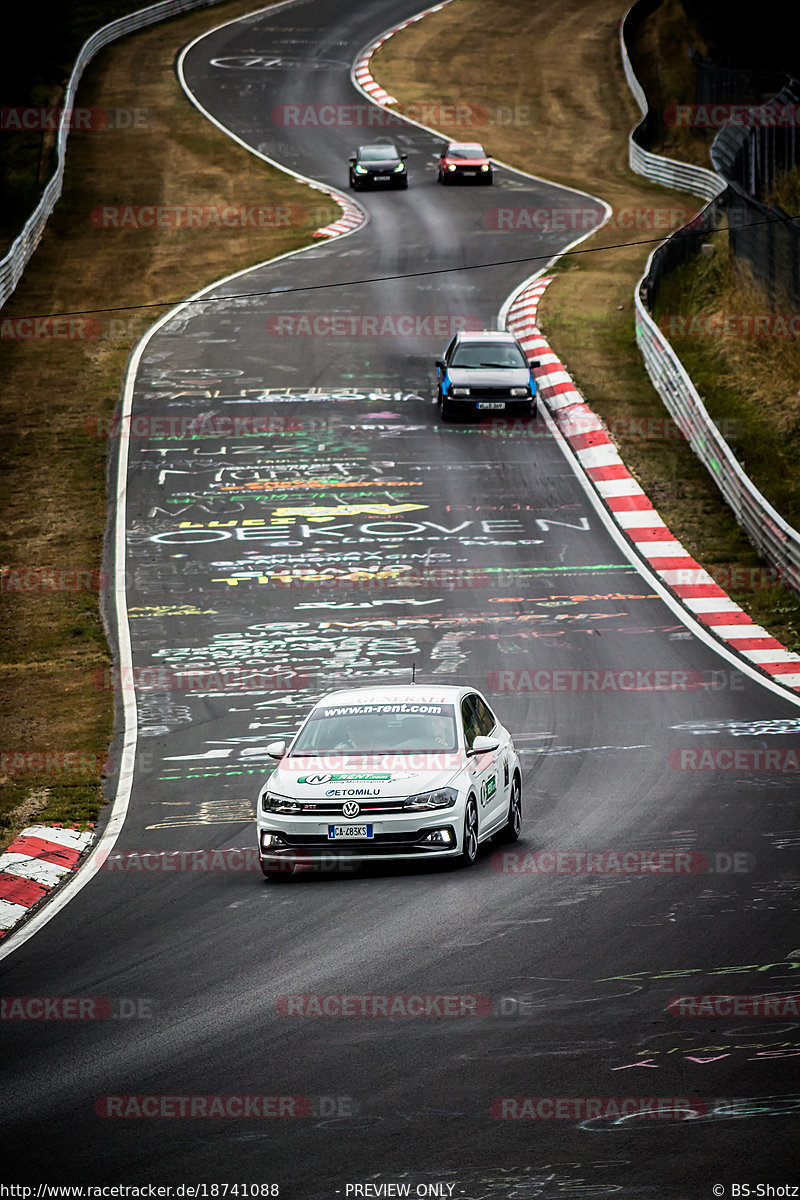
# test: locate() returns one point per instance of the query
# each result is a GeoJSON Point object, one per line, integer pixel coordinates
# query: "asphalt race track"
{"type": "Point", "coordinates": [478, 557]}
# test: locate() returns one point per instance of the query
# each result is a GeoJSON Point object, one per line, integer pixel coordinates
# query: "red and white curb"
{"type": "Point", "coordinates": [361, 73]}
{"type": "Point", "coordinates": [34, 863]}
{"type": "Point", "coordinates": [351, 218]}
{"type": "Point", "coordinates": [629, 507]}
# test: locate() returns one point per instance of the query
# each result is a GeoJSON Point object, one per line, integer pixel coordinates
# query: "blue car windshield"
{"type": "Point", "coordinates": [484, 354]}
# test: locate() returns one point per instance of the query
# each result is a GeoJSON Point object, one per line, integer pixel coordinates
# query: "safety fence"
{"type": "Point", "coordinates": [752, 156]}
{"type": "Point", "coordinates": [14, 263]}
{"type": "Point", "coordinates": [774, 538]}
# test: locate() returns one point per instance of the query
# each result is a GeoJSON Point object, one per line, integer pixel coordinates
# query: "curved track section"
{"type": "Point", "coordinates": [284, 449]}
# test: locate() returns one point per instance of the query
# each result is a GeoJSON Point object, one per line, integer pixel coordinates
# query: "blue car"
{"type": "Point", "coordinates": [485, 371]}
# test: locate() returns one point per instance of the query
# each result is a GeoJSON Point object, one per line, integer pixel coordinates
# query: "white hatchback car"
{"type": "Point", "coordinates": [390, 773]}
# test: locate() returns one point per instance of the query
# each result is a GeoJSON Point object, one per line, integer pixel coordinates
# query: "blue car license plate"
{"type": "Point", "coordinates": [339, 832]}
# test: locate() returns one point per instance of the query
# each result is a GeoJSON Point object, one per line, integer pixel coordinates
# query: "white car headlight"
{"type": "Point", "coordinates": [279, 804]}
{"type": "Point", "coordinates": [520, 391]}
{"type": "Point", "coordinates": [459, 391]}
{"type": "Point", "coordinates": [441, 798]}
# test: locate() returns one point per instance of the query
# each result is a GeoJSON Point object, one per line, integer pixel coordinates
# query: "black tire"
{"type": "Point", "coordinates": [446, 410]}
{"type": "Point", "coordinates": [469, 849]}
{"type": "Point", "coordinates": [511, 829]}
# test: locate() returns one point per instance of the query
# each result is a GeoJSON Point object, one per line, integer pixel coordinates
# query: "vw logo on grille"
{"type": "Point", "coordinates": [351, 809]}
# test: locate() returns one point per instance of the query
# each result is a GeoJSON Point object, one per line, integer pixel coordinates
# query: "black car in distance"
{"type": "Point", "coordinates": [378, 165]}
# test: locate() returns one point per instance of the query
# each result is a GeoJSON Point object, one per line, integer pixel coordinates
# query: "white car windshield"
{"type": "Point", "coordinates": [378, 728]}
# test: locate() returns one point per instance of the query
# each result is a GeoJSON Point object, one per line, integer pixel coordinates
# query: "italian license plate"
{"type": "Point", "coordinates": [336, 832]}
{"type": "Point", "coordinates": [381, 178]}
{"type": "Point", "coordinates": [491, 404]}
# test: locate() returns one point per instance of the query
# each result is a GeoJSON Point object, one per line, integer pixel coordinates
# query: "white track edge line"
{"type": "Point", "coordinates": [85, 871]}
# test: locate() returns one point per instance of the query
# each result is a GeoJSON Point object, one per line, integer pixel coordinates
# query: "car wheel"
{"type": "Point", "coordinates": [445, 409]}
{"type": "Point", "coordinates": [511, 829]}
{"type": "Point", "coordinates": [469, 848]}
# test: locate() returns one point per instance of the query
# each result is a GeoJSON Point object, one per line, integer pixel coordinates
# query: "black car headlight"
{"type": "Point", "coordinates": [440, 798]}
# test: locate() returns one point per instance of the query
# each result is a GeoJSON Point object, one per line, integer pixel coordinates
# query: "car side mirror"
{"type": "Point", "coordinates": [484, 745]}
{"type": "Point", "coordinates": [440, 363]}
{"type": "Point", "coordinates": [353, 157]}
{"type": "Point", "coordinates": [276, 749]}
{"type": "Point", "coordinates": [534, 362]}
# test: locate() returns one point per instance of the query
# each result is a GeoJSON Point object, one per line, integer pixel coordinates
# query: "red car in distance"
{"type": "Point", "coordinates": [464, 161]}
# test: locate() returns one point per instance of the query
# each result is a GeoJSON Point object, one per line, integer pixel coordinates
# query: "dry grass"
{"type": "Point", "coordinates": [52, 485]}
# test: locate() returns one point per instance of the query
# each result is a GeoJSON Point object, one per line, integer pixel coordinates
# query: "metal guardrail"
{"type": "Point", "coordinates": [773, 537]}
{"type": "Point", "coordinates": [14, 263]}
